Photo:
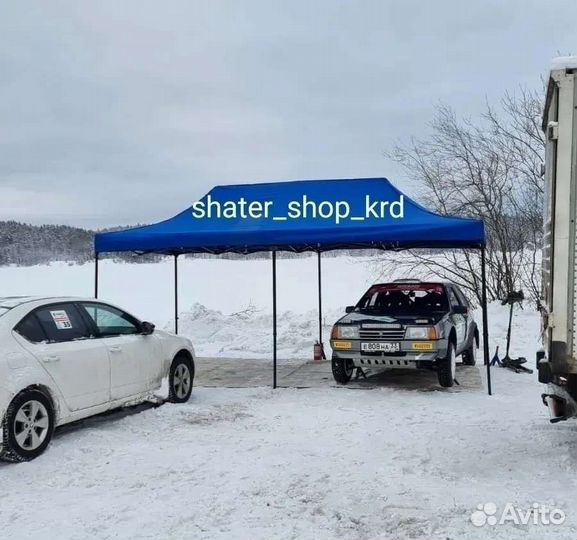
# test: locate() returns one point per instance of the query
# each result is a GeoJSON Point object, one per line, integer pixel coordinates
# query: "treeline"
{"type": "Point", "coordinates": [22, 244]}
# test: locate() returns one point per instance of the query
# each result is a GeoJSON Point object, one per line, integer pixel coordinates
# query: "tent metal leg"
{"type": "Point", "coordinates": [485, 320]}
{"type": "Point", "coordinates": [274, 352]}
{"type": "Point", "coordinates": [95, 275]}
{"type": "Point", "coordinates": [320, 301]}
{"type": "Point", "coordinates": [176, 294]}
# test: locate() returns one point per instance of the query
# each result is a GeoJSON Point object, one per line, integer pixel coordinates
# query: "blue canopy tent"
{"type": "Point", "coordinates": [299, 216]}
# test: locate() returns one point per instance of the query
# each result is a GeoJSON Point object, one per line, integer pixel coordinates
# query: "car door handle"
{"type": "Point", "coordinates": [51, 358]}
{"type": "Point", "coordinates": [115, 349]}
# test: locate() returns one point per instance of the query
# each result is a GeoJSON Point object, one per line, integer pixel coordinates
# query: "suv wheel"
{"type": "Point", "coordinates": [27, 427]}
{"type": "Point", "coordinates": [180, 379]}
{"type": "Point", "coordinates": [446, 367]}
{"type": "Point", "coordinates": [342, 370]}
{"type": "Point", "coordinates": [470, 354]}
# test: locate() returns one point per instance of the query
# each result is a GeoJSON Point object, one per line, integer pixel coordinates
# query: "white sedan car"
{"type": "Point", "coordinates": [63, 359]}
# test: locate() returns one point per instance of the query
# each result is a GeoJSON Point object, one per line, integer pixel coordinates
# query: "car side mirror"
{"type": "Point", "coordinates": [147, 328]}
{"type": "Point", "coordinates": [349, 309]}
{"type": "Point", "coordinates": [460, 310]}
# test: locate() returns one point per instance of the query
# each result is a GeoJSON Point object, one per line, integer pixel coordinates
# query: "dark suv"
{"type": "Point", "coordinates": [406, 324]}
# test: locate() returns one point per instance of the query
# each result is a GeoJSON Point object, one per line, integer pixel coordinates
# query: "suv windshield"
{"type": "Point", "coordinates": [404, 299]}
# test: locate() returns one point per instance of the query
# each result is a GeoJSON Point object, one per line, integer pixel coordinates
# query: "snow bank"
{"type": "Point", "coordinates": [225, 304]}
{"type": "Point", "coordinates": [248, 332]}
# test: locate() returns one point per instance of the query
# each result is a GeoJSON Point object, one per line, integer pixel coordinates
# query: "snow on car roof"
{"type": "Point", "coordinates": [9, 302]}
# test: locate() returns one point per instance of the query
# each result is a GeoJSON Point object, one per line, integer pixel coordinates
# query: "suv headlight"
{"type": "Point", "coordinates": [421, 332]}
{"type": "Point", "coordinates": [345, 332]}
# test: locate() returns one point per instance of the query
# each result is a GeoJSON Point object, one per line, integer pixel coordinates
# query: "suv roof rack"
{"type": "Point", "coordinates": [407, 281]}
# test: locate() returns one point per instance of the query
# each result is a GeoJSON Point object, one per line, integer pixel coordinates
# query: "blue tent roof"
{"type": "Point", "coordinates": [299, 216]}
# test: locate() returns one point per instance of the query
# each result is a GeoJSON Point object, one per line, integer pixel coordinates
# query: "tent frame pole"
{"type": "Point", "coordinates": [485, 320]}
{"type": "Point", "coordinates": [176, 293]}
{"type": "Point", "coordinates": [320, 300]}
{"type": "Point", "coordinates": [96, 274]}
{"type": "Point", "coordinates": [274, 325]}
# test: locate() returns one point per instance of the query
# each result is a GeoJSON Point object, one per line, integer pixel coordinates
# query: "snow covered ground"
{"type": "Point", "coordinates": [317, 463]}
{"type": "Point", "coordinates": [258, 463]}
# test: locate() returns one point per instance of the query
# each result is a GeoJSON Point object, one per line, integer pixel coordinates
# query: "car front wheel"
{"type": "Point", "coordinates": [180, 379]}
{"type": "Point", "coordinates": [342, 370]}
{"type": "Point", "coordinates": [27, 427]}
{"type": "Point", "coordinates": [446, 367]}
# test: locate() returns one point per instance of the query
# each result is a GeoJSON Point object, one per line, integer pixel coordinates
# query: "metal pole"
{"type": "Point", "coordinates": [95, 274]}
{"type": "Point", "coordinates": [509, 332]}
{"type": "Point", "coordinates": [320, 301]}
{"type": "Point", "coordinates": [485, 320]}
{"type": "Point", "coordinates": [274, 319]}
{"type": "Point", "coordinates": [176, 294]}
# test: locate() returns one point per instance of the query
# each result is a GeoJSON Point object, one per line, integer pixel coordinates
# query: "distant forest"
{"type": "Point", "coordinates": [22, 244]}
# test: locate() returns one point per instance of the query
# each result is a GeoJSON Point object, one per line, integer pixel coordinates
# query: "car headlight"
{"type": "Point", "coordinates": [421, 332]}
{"type": "Point", "coordinates": [345, 332]}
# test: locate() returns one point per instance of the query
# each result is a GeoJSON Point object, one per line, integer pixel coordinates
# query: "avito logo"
{"type": "Point", "coordinates": [538, 514]}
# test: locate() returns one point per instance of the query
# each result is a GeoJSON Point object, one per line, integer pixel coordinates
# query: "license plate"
{"type": "Point", "coordinates": [380, 346]}
{"type": "Point", "coordinates": [342, 345]}
{"type": "Point", "coordinates": [423, 346]}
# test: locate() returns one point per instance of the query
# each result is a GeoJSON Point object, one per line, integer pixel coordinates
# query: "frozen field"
{"type": "Point", "coordinates": [314, 463]}
{"type": "Point", "coordinates": [225, 305]}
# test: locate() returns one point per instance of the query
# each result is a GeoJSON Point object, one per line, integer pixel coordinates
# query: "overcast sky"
{"type": "Point", "coordinates": [124, 111]}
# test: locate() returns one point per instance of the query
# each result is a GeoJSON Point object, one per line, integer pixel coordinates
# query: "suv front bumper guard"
{"type": "Point", "coordinates": [405, 360]}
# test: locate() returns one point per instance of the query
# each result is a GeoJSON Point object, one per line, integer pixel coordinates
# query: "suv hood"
{"type": "Point", "coordinates": [358, 317]}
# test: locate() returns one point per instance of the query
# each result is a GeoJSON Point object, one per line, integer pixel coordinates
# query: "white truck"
{"type": "Point", "coordinates": [557, 362]}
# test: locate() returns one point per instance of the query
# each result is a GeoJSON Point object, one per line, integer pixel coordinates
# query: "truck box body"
{"type": "Point", "coordinates": [558, 367]}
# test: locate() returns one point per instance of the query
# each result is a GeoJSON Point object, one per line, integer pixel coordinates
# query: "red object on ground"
{"type": "Point", "coordinates": [319, 352]}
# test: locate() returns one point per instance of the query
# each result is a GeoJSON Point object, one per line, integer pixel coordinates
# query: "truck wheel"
{"type": "Point", "coordinates": [446, 367]}
{"type": "Point", "coordinates": [27, 427]}
{"type": "Point", "coordinates": [469, 356]}
{"type": "Point", "coordinates": [180, 379]}
{"type": "Point", "coordinates": [342, 370]}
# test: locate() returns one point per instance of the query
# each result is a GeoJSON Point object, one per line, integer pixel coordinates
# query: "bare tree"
{"type": "Point", "coordinates": [491, 170]}
{"type": "Point", "coordinates": [249, 311]}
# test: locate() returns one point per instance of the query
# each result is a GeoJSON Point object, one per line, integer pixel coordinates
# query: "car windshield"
{"type": "Point", "coordinates": [404, 299]}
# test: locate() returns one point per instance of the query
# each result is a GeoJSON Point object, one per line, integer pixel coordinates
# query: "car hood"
{"type": "Point", "coordinates": [360, 317]}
